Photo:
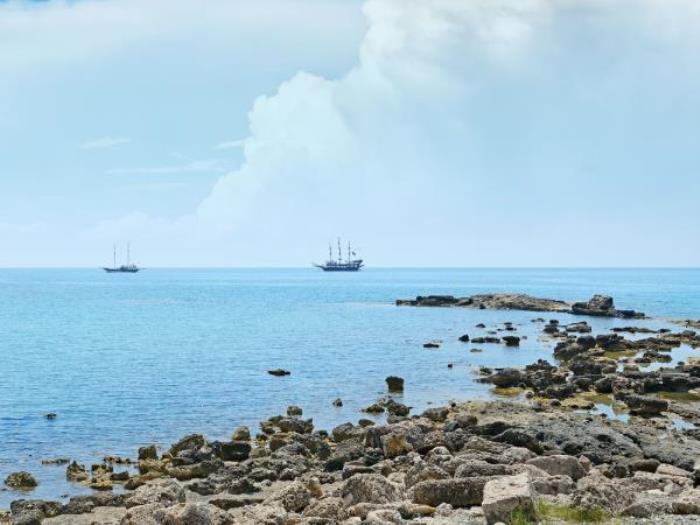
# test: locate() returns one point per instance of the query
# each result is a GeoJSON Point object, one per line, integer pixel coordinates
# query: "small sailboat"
{"type": "Point", "coordinates": [129, 267]}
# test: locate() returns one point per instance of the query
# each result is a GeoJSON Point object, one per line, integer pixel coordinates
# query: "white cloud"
{"type": "Point", "coordinates": [231, 144]}
{"type": "Point", "coordinates": [195, 166]}
{"type": "Point", "coordinates": [105, 142]}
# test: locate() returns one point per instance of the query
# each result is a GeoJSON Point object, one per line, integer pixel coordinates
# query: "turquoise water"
{"type": "Point", "coordinates": [126, 360]}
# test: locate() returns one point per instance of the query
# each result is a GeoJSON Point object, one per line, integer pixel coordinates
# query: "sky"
{"type": "Point", "coordinates": [428, 133]}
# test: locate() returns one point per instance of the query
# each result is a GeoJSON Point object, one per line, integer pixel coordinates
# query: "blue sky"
{"type": "Point", "coordinates": [431, 132]}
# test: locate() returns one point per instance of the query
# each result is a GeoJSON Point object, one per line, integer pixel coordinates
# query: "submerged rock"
{"type": "Point", "coordinates": [21, 480]}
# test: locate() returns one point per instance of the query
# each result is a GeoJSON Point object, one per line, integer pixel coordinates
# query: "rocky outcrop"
{"type": "Point", "coordinates": [598, 305]}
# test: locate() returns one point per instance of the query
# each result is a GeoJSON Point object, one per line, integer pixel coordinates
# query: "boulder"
{"type": "Point", "coordinates": [241, 433]}
{"type": "Point", "coordinates": [395, 383]}
{"type": "Point", "coordinates": [279, 372]}
{"type": "Point", "coordinates": [511, 340]}
{"type": "Point", "coordinates": [559, 465]}
{"type": "Point", "coordinates": [192, 514]}
{"type": "Point", "coordinates": [21, 480]}
{"type": "Point", "coordinates": [458, 492]}
{"type": "Point", "coordinates": [369, 488]}
{"type": "Point", "coordinates": [148, 452]}
{"type": "Point", "coordinates": [503, 496]}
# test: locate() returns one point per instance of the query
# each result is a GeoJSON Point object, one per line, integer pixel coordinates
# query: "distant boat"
{"type": "Point", "coordinates": [341, 265]}
{"type": "Point", "coordinates": [129, 267]}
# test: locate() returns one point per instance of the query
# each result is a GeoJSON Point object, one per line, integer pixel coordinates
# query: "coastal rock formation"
{"type": "Point", "coordinates": [475, 462]}
{"type": "Point", "coordinates": [598, 305]}
{"type": "Point", "coordinates": [21, 481]}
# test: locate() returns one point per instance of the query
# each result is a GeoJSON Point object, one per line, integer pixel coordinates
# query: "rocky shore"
{"type": "Point", "coordinates": [547, 456]}
{"type": "Point", "coordinates": [598, 305]}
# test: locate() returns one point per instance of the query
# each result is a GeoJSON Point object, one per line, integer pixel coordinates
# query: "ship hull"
{"type": "Point", "coordinates": [340, 269]}
{"type": "Point", "coordinates": [121, 270]}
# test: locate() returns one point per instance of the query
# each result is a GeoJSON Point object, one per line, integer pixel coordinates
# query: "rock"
{"type": "Point", "coordinates": [464, 338]}
{"type": "Point", "coordinates": [374, 408]}
{"type": "Point", "coordinates": [559, 465]}
{"type": "Point", "coordinates": [165, 492]}
{"type": "Point", "coordinates": [241, 433]}
{"type": "Point", "coordinates": [192, 514]}
{"type": "Point", "coordinates": [327, 508]}
{"type": "Point", "coordinates": [295, 497]}
{"type": "Point", "coordinates": [279, 372]}
{"type": "Point", "coordinates": [189, 442]}
{"type": "Point", "coordinates": [458, 492]}
{"type": "Point", "coordinates": [582, 328]}
{"type": "Point", "coordinates": [294, 411]}
{"type": "Point", "coordinates": [55, 461]}
{"type": "Point", "coordinates": [511, 340]}
{"type": "Point", "coordinates": [503, 496]}
{"type": "Point", "coordinates": [51, 415]}
{"type": "Point", "coordinates": [338, 403]}
{"type": "Point", "coordinates": [396, 409]}
{"type": "Point", "coordinates": [394, 383]}
{"type": "Point", "coordinates": [21, 480]}
{"type": "Point", "coordinates": [438, 414]}
{"type": "Point", "coordinates": [395, 444]}
{"type": "Point", "coordinates": [148, 452]}
{"type": "Point", "coordinates": [645, 406]}
{"type": "Point", "coordinates": [33, 512]}
{"type": "Point", "coordinates": [369, 488]}
{"type": "Point", "coordinates": [431, 344]}
{"type": "Point", "coordinates": [76, 472]}
{"type": "Point", "coordinates": [232, 450]}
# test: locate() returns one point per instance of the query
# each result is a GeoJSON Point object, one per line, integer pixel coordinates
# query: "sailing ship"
{"type": "Point", "coordinates": [341, 265]}
{"type": "Point", "coordinates": [129, 267]}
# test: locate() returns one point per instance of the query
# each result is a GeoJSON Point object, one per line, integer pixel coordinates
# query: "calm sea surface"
{"type": "Point", "coordinates": [127, 360]}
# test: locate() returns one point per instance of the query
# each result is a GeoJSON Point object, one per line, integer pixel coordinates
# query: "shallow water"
{"type": "Point", "coordinates": [126, 360]}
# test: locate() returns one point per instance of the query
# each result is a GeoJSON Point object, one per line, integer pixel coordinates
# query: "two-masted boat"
{"type": "Point", "coordinates": [129, 267]}
{"type": "Point", "coordinates": [350, 264]}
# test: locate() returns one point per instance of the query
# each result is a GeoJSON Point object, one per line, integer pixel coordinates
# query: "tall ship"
{"type": "Point", "coordinates": [129, 267]}
{"type": "Point", "coordinates": [349, 264]}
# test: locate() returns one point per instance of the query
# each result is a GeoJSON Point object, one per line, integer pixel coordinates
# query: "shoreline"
{"type": "Point", "coordinates": [443, 466]}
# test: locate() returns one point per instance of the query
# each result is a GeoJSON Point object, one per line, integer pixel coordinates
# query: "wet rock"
{"type": "Point", "coordinates": [431, 344]}
{"type": "Point", "coordinates": [645, 406]}
{"type": "Point", "coordinates": [338, 403]}
{"type": "Point", "coordinates": [374, 408]}
{"type": "Point", "coordinates": [464, 338]}
{"type": "Point", "coordinates": [51, 415]}
{"type": "Point", "coordinates": [76, 472]}
{"type": "Point", "coordinates": [503, 496]}
{"type": "Point", "coordinates": [21, 480]}
{"type": "Point", "coordinates": [232, 450]}
{"type": "Point", "coordinates": [189, 442]}
{"type": "Point", "coordinates": [395, 383]}
{"type": "Point", "coordinates": [438, 414]}
{"type": "Point", "coordinates": [395, 408]}
{"type": "Point", "coordinates": [294, 411]}
{"type": "Point", "coordinates": [241, 433]}
{"type": "Point", "coordinates": [148, 452]}
{"type": "Point", "coordinates": [279, 372]}
{"type": "Point", "coordinates": [511, 340]}
{"type": "Point", "coordinates": [487, 339]}
{"type": "Point", "coordinates": [32, 512]}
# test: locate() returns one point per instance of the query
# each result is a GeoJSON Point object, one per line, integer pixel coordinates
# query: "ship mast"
{"type": "Point", "coordinates": [349, 252]}
{"type": "Point", "coordinates": [340, 254]}
{"type": "Point", "coordinates": [330, 252]}
{"type": "Point", "coordinates": [128, 254]}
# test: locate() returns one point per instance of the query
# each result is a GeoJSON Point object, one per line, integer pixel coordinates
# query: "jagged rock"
{"type": "Point", "coordinates": [241, 433]}
{"type": "Point", "coordinates": [645, 406]}
{"type": "Point", "coordinates": [166, 492]}
{"type": "Point", "coordinates": [294, 411]}
{"type": "Point", "coordinates": [148, 452]}
{"type": "Point", "coordinates": [295, 497]}
{"type": "Point", "coordinates": [76, 472]}
{"type": "Point", "coordinates": [32, 512]}
{"type": "Point", "coordinates": [279, 372]}
{"type": "Point", "coordinates": [559, 465]}
{"type": "Point", "coordinates": [395, 383]}
{"type": "Point", "coordinates": [369, 488]}
{"type": "Point", "coordinates": [21, 480]}
{"type": "Point", "coordinates": [458, 492]}
{"type": "Point", "coordinates": [189, 442]}
{"type": "Point", "coordinates": [511, 340]}
{"type": "Point", "coordinates": [503, 496]}
{"type": "Point", "coordinates": [437, 414]}
{"type": "Point", "coordinates": [192, 514]}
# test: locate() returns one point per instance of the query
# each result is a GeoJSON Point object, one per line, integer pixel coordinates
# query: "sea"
{"type": "Point", "coordinates": [126, 360]}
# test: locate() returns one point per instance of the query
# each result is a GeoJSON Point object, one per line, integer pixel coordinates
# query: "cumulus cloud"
{"type": "Point", "coordinates": [105, 142]}
{"type": "Point", "coordinates": [492, 132]}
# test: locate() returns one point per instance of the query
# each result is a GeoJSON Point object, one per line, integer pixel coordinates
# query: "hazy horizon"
{"type": "Point", "coordinates": [432, 133]}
